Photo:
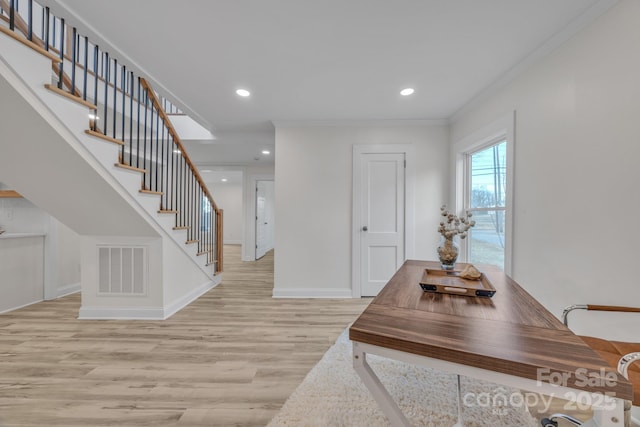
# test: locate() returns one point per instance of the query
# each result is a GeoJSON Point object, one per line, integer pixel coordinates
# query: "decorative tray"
{"type": "Point", "coordinates": [450, 282]}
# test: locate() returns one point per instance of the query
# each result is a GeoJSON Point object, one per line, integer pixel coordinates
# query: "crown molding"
{"type": "Point", "coordinates": [358, 123]}
{"type": "Point", "coordinates": [550, 45]}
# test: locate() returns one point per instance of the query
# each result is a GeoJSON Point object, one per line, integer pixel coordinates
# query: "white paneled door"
{"type": "Point", "coordinates": [265, 196]}
{"type": "Point", "coordinates": [382, 228]}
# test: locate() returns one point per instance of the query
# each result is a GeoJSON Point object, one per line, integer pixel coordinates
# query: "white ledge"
{"type": "Point", "coordinates": [20, 235]}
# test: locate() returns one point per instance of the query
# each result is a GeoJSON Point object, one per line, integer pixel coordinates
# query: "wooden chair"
{"type": "Point", "coordinates": [620, 355]}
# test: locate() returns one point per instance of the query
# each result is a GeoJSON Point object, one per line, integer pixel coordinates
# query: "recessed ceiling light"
{"type": "Point", "coordinates": [224, 180]}
{"type": "Point", "coordinates": [407, 91]}
{"type": "Point", "coordinates": [265, 152]}
{"type": "Point", "coordinates": [94, 117]}
{"type": "Point", "coordinates": [243, 92]}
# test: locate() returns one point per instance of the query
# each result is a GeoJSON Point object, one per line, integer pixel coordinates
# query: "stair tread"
{"type": "Point", "coordinates": [190, 242]}
{"type": "Point", "coordinates": [131, 168]}
{"type": "Point", "coordinates": [103, 136]}
{"type": "Point", "coordinates": [181, 228]}
{"type": "Point", "coordinates": [30, 44]}
{"type": "Point", "coordinates": [167, 212]}
{"type": "Point", "coordinates": [158, 193]}
{"type": "Point", "coordinates": [70, 96]}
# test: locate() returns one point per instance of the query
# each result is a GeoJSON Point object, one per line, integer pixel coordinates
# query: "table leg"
{"type": "Point", "coordinates": [380, 394]}
{"type": "Point", "coordinates": [459, 396]}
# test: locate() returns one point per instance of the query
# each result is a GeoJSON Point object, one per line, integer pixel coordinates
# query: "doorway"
{"type": "Point", "coordinates": [265, 218]}
{"type": "Point", "coordinates": [382, 215]}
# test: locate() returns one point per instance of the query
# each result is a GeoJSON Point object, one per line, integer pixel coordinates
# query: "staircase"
{"type": "Point", "coordinates": [88, 141]}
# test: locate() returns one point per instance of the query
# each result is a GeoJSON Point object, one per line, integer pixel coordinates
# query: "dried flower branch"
{"type": "Point", "coordinates": [453, 225]}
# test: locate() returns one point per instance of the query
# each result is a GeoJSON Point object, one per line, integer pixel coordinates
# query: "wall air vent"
{"type": "Point", "coordinates": [122, 270]}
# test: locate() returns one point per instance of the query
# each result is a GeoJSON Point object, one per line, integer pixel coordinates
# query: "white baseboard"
{"type": "Point", "coordinates": [121, 313]}
{"type": "Point", "coordinates": [146, 313]}
{"type": "Point", "coordinates": [311, 293]}
{"type": "Point", "coordinates": [68, 290]}
{"type": "Point", "coordinates": [20, 306]}
{"type": "Point", "coordinates": [187, 299]}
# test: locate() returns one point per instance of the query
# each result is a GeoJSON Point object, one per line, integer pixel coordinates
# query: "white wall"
{"type": "Point", "coordinates": [150, 305]}
{"type": "Point", "coordinates": [313, 197]}
{"type": "Point", "coordinates": [21, 271]}
{"type": "Point", "coordinates": [62, 245]}
{"type": "Point", "coordinates": [576, 168]}
{"type": "Point", "coordinates": [228, 197]}
{"type": "Point", "coordinates": [22, 216]}
{"type": "Point", "coordinates": [67, 259]}
{"type": "Point", "coordinates": [182, 283]}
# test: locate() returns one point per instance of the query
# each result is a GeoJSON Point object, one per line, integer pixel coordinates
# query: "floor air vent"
{"type": "Point", "coordinates": [122, 270]}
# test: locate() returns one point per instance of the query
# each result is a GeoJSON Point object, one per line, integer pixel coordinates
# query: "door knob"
{"type": "Point", "coordinates": [365, 228]}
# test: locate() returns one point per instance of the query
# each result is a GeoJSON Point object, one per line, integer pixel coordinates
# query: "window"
{"type": "Point", "coordinates": [486, 191]}
{"type": "Point", "coordinates": [484, 186]}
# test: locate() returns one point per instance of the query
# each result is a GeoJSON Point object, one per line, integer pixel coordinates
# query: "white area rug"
{"type": "Point", "coordinates": [332, 394]}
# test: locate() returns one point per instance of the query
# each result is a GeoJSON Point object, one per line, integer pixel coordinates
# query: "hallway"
{"type": "Point", "coordinates": [230, 358]}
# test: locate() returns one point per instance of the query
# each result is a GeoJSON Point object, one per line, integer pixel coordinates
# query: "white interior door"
{"type": "Point", "coordinates": [265, 196]}
{"type": "Point", "coordinates": [382, 229]}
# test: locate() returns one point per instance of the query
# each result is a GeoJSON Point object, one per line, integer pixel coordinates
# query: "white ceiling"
{"type": "Point", "coordinates": [213, 177]}
{"type": "Point", "coordinates": [322, 60]}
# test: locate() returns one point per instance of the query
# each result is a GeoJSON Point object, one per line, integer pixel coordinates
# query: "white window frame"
{"type": "Point", "coordinates": [500, 130]}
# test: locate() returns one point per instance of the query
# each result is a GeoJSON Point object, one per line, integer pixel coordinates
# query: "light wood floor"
{"type": "Point", "coordinates": [230, 358]}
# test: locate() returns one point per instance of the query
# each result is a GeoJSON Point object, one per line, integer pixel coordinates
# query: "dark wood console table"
{"type": "Point", "coordinates": [510, 339]}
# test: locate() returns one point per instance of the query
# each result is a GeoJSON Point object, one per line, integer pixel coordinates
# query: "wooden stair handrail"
{"type": "Point", "coordinates": [177, 140]}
